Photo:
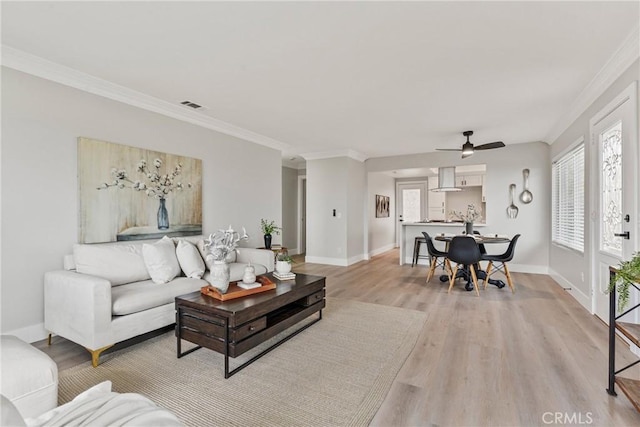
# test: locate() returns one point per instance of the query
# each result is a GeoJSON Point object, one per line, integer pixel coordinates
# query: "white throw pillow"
{"type": "Point", "coordinates": [190, 260]}
{"type": "Point", "coordinates": [204, 253]}
{"type": "Point", "coordinates": [160, 260]}
{"type": "Point", "coordinates": [119, 262]}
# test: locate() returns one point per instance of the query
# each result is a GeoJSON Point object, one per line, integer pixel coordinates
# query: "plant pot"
{"type": "Point", "coordinates": [283, 267]}
{"type": "Point", "coordinates": [267, 241]}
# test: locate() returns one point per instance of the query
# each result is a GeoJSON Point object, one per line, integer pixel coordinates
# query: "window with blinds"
{"type": "Point", "coordinates": [568, 199]}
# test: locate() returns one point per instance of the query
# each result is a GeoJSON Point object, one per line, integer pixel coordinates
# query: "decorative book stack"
{"type": "Point", "coordinates": [284, 276]}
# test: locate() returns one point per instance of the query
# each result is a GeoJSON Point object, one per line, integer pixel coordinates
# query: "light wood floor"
{"type": "Point", "coordinates": [500, 359]}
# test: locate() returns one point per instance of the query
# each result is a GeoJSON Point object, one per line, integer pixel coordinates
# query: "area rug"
{"type": "Point", "coordinates": [336, 373]}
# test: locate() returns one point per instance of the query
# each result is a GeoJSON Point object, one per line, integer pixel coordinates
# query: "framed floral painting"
{"type": "Point", "coordinates": [130, 193]}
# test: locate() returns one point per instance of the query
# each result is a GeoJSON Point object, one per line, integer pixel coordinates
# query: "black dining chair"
{"type": "Point", "coordinates": [501, 259]}
{"type": "Point", "coordinates": [463, 250]}
{"type": "Point", "coordinates": [434, 254]}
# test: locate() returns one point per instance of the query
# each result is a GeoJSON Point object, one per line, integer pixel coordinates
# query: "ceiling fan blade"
{"type": "Point", "coordinates": [497, 144]}
{"type": "Point", "coordinates": [449, 149]}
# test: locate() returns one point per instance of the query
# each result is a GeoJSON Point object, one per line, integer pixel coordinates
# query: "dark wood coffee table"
{"type": "Point", "coordinates": [236, 326]}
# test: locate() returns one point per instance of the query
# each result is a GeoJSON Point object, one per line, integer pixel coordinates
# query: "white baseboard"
{"type": "Point", "coordinates": [382, 250]}
{"type": "Point", "coordinates": [356, 259]}
{"type": "Point", "coordinates": [577, 294]}
{"type": "Point", "coordinates": [325, 260]}
{"type": "Point", "coordinates": [528, 268]}
{"type": "Point", "coordinates": [31, 333]}
{"type": "Point", "coordinates": [293, 251]}
{"type": "Point", "coordinates": [334, 261]}
{"type": "Point", "coordinates": [421, 261]}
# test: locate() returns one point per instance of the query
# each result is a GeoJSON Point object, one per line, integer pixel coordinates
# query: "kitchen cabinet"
{"type": "Point", "coordinates": [468, 180]}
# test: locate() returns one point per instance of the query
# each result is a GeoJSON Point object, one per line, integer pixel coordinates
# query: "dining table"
{"type": "Point", "coordinates": [480, 273]}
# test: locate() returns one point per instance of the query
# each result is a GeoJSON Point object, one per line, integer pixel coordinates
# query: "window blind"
{"type": "Point", "coordinates": [568, 199]}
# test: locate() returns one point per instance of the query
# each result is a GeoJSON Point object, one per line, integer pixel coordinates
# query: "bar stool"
{"type": "Point", "coordinates": [416, 250]}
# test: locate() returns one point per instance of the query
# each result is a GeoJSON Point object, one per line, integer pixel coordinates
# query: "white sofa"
{"type": "Point", "coordinates": [105, 295]}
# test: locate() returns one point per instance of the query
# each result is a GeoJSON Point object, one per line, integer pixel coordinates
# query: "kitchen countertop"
{"type": "Point", "coordinates": [444, 224]}
{"type": "Point", "coordinates": [410, 230]}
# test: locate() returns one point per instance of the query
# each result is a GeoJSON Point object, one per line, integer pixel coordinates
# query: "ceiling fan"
{"type": "Point", "coordinates": [468, 149]}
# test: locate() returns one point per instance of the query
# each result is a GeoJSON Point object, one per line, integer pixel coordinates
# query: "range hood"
{"type": "Point", "coordinates": [447, 179]}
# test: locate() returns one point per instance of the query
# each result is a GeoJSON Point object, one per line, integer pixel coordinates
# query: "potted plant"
{"type": "Point", "coordinates": [626, 275]}
{"type": "Point", "coordinates": [283, 263]}
{"type": "Point", "coordinates": [469, 217]}
{"type": "Point", "coordinates": [268, 228]}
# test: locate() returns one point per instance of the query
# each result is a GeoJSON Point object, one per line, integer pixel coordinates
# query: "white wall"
{"type": "Point", "coordinates": [326, 190]}
{"type": "Point", "coordinates": [336, 183]}
{"type": "Point", "coordinates": [504, 166]}
{"type": "Point", "coordinates": [569, 267]}
{"type": "Point", "coordinates": [356, 205]}
{"type": "Point", "coordinates": [289, 224]}
{"type": "Point", "coordinates": [381, 231]}
{"type": "Point", "coordinates": [41, 121]}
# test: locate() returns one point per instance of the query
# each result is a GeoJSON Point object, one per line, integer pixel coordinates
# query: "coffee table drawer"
{"type": "Point", "coordinates": [249, 329]}
{"type": "Point", "coordinates": [214, 326]}
{"type": "Point", "coordinates": [313, 298]}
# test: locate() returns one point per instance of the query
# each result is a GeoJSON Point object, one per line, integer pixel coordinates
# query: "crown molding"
{"type": "Point", "coordinates": [43, 68]}
{"type": "Point", "coordinates": [623, 58]}
{"type": "Point", "coordinates": [335, 153]}
{"type": "Point", "coordinates": [294, 164]}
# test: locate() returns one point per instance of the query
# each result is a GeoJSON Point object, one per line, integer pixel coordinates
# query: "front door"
{"type": "Point", "coordinates": [614, 203]}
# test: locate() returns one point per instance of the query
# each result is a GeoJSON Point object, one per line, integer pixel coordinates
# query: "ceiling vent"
{"type": "Point", "coordinates": [191, 104]}
{"type": "Point", "coordinates": [447, 179]}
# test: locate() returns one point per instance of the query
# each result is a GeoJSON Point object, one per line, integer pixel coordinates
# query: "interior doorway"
{"type": "Point", "coordinates": [302, 214]}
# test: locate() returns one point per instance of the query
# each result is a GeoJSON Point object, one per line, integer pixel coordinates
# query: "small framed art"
{"type": "Point", "coordinates": [382, 206]}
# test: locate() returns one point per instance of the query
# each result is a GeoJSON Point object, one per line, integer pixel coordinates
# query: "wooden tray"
{"type": "Point", "coordinates": [235, 291]}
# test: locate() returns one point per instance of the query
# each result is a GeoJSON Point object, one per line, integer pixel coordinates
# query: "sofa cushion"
{"type": "Point", "coordinates": [139, 296]}
{"type": "Point", "coordinates": [161, 261]}
{"type": "Point", "coordinates": [119, 263]}
{"type": "Point", "coordinates": [189, 259]}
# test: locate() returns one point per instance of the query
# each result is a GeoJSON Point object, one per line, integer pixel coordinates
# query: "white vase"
{"type": "Point", "coordinates": [220, 276]}
{"type": "Point", "coordinates": [283, 267]}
